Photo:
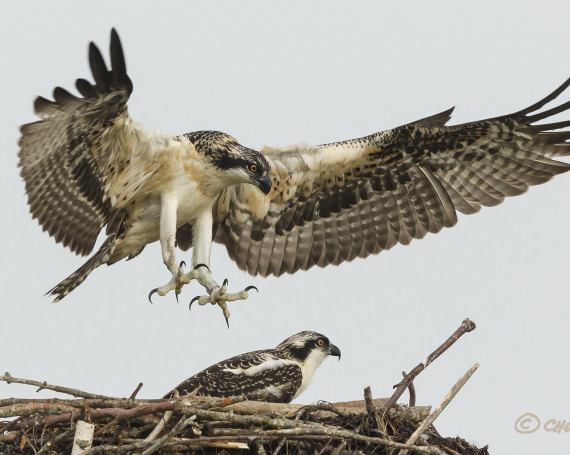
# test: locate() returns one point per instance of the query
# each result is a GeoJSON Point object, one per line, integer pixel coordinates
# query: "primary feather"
{"type": "Point", "coordinates": [332, 203]}
{"type": "Point", "coordinates": [88, 166]}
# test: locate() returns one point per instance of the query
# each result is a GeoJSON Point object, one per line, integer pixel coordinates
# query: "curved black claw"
{"type": "Point", "coordinates": [176, 294]}
{"type": "Point", "coordinates": [182, 264]}
{"type": "Point", "coordinates": [251, 287]}
{"type": "Point", "coordinates": [192, 301]}
{"type": "Point", "coordinates": [154, 291]}
{"type": "Point", "coordinates": [225, 283]}
{"type": "Point", "coordinates": [227, 322]}
{"type": "Point", "coordinates": [197, 266]}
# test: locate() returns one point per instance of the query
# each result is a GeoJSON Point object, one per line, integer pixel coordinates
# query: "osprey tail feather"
{"type": "Point", "coordinates": [76, 278]}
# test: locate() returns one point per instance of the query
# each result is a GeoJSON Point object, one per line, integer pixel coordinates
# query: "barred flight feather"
{"type": "Point", "coordinates": [332, 203]}
{"type": "Point", "coordinates": [76, 160]}
{"type": "Point", "coordinates": [87, 166]}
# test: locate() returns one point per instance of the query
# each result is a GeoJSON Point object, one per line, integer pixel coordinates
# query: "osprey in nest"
{"type": "Point", "coordinates": [88, 166]}
{"type": "Point", "coordinates": [278, 375]}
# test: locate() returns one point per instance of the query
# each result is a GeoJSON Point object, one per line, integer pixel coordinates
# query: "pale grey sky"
{"type": "Point", "coordinates": [278, 73]}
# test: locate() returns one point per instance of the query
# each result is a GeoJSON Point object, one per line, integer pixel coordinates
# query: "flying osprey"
{"type": "Point", "coordinates": [87, 166]}
{"type": "Point", "coordinates": [278, 375]}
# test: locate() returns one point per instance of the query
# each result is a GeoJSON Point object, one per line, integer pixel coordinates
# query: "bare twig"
{"type": "Point", "coordinates": [370, 408]}
{"type": "Point", "coordinates": [8, 378]}
{"type": "Point", "coordinates": [195, 444]}
{"type": "Point", "coordinates": [124, 403]}
{"type": "Point", "coordinates": [9, 425]}
{"type": "Point", "coordinates": [325, 447]}
{"type": "Point", "coordinates": [466, 326]}
{"type": "Point", "coordinates": [339, 449]}
{"type": "Point", "coordinates": [137, 389]}
{"type": "Point", "coordinates": [344, 408]}
{"type": "Point", "coordinates": [48, 445]}
{"type": "Point", "coordinates": [162, 422]}
{"type": "Point", "coordinates": [411, 391]}
{"type": "Point", "coordinates": [315, 427]}
{"type": "Point", "coordinates": [102, 430]}
{"type": "Point", "coordinates": [279, 446]}
{"type": "Point", "coordinates": [159, 426]}
{"type": "Point", "coordinates": [121, 426]}
{"type": "Point", "coordinates": [182, 423]}
{"type": "Point", "coordinates": [25, 410]}
{"type": "Point", "coordinates": [96, 414]}
{"type": "Point", "coordinates": [437, 411]}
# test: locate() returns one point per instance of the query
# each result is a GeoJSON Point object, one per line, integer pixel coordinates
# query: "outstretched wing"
{"type": "Point", "coordinates": [258, 375]}
{"type": "Point", "coordinates": [332, 203]}
{"type": "Point", "coordinates": [85, 160]}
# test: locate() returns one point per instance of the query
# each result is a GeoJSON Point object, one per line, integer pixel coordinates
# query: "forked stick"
{"type": "Point", "coordinates": [466, 326]}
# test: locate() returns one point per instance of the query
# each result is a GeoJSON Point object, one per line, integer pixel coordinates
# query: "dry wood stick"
{"type": "Point", "coordinates": [96, 414]}
{"type": "Point", "coordinates": [163, 421]}
{"type": "Point", "coordinates": [80, 402]}
{"type": "Point", "coordinates": [159, 426]}
{"type": "Point", "coordinates": [466, 326]}
{"type": "Point", "coordinates": [53, 440]}
{"type": "Point", "coordinates": [182, 423]}
{"type": "Point", "coordinates": [339, 449]}
{"type": "Point", "coordinates": [8, 378]}
{"type": "Point", "coordinates": [83, 437]}
{"type": "Point", "coordinates": [121, 426]}
{"type": "Point", "coordinates": [229, 441]}
{"type": "Point", "coordinates": [371, 409]}
{"type": "Point", "coordinates": [194, 444]}
{"type": "Point", "coordinates": [437, 411]}
{"type": "Point", "coordinates": [279, 446]}
{"type": "Point", "coordinates": [411, 391]}
{"type": "Point", "coordinates": [25, 410]}
{"type": "Point", "coordinates": [316, 429]}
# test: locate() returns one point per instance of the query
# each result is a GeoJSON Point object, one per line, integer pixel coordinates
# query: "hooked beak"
{"type": "Point", "coordinates": [263, 183]}
{"type": "Point", "coordinates": [333, 350]}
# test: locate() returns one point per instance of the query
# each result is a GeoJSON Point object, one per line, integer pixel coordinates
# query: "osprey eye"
{"type": "Point", "coordinates": [253, 168]}
{"type": "Point", "coordinates": [320, 342]}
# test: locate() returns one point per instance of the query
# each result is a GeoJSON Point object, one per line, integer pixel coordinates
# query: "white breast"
{"type": "Point", "coordinates": [144, 213]}
{"type": "Point", "coordinates": [308, 368]}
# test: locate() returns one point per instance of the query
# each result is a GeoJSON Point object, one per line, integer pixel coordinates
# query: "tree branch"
{"type": "Point", "coordinates": [466, 326]}
{"type": "Point", "coordinates": [437, 411]}
{"type": "Point", "coordinates": [316, 429]}
{"type": "Point", "coordinates": [8, 378]}
{"type": "Point", "coordinates": [182, 423]}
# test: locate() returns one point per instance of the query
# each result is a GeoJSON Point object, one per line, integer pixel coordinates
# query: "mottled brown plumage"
{"type": "Point", "coordinates": [278, 375]}
{"type": "Point", "coordinates": [335, 202]}
{"type": "Point", "coordinates": [88, 166]}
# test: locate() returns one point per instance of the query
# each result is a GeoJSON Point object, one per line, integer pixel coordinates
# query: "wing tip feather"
{"type": "Point", "coordinates": [437, 120]}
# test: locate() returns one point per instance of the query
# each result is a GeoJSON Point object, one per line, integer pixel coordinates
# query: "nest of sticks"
{"type": "Point", "coordinates": [96, 424]}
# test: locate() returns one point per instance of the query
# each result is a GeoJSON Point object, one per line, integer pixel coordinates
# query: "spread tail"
{"type": "Point", "coordinates": [76, 278]}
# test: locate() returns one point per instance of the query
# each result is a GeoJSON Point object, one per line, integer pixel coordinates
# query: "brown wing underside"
{"type": "Point", "coordinates": [62, 172]}
{"type": "Point", "coordinates": [396, 185]}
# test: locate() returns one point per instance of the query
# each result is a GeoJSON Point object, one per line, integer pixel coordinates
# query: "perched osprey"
{"type": "Point", "coordinates": [88, 166]}
{"type": "Point", "coordinates": [278, 375]}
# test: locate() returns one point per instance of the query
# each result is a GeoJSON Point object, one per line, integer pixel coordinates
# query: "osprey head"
{"type": "Point", "coordinates": [309, 347]}
{"type": "Point", "coordinates": [237, 163]}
